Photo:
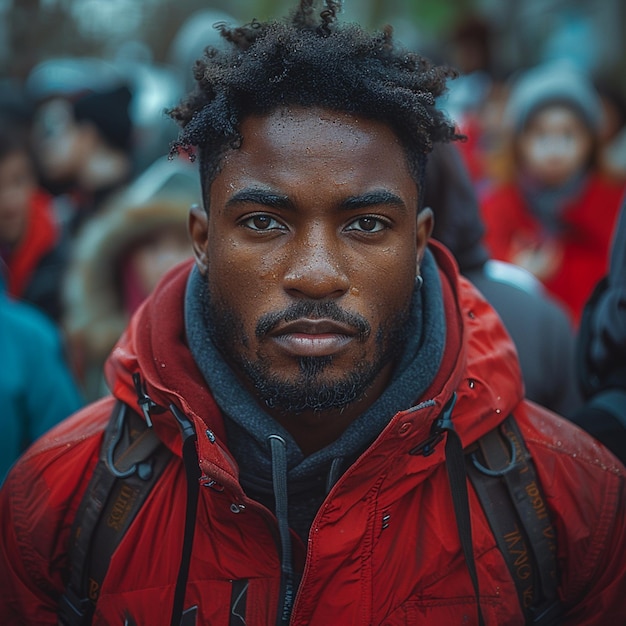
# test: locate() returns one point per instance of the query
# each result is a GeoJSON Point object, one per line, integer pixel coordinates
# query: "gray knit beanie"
{"type": "Point", "coordinates": [553, 83]}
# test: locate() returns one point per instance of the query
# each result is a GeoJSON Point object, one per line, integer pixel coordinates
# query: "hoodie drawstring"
{"type": "Point", "coordinates": [192, 471]}
{"type": "Point", "coordinates": [289, 580]}
{"type": "Point", "coordinates": [278, 448]}
{"type": "Point", "coordinates": [334, 473]}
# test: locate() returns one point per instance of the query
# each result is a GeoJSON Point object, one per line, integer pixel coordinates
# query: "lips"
{"type": "Point", "coordinates": [313, 337]}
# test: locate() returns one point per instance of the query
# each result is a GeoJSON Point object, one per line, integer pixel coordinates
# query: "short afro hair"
{"type": "Point", "coordinates": [310, 60]}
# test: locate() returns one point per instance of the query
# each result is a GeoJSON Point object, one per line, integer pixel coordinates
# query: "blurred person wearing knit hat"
{"type": "Point", "coordinates": [555, 213]}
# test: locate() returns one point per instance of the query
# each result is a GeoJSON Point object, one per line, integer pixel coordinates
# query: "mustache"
{"type": "Point", "coordinates": [313, 310]}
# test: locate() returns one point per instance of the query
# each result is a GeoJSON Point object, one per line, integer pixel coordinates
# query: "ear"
{"type": "Point", "coordinates": [198, 225]}
{"type": "Point", "coordinates": [425, 225]}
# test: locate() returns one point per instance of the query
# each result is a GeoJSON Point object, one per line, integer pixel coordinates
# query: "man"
{"type": "Point", "coordinates": [312, 358]}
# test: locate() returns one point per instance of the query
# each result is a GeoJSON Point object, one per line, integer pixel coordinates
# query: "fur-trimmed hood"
{"type": "Point", "coordinates": [159, 198]}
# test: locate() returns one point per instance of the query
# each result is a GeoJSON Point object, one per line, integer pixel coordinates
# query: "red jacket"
{"type": "Point", "coordinates": [583, 248]}
{"type": "Point", "coordinates": [41, 235]}
{"type": "Point", "coordinates": [37, 263]}
{"type": "Point", "coordinates": [384, 547]}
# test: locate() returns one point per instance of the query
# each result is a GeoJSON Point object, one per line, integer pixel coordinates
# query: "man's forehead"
{"type": "Point", "coordinates": [289, 124]}
{"type": "Point", "coordinates": [298, 144]}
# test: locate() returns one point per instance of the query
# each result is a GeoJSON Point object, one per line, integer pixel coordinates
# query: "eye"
{"type": "Point", "coordinates": [262, 222]}
{"type": "Point", "coordinates": [367, 224]}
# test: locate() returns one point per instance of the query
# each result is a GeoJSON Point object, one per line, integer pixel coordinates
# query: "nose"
{"type": "Point", "coordinates": [316, 268]}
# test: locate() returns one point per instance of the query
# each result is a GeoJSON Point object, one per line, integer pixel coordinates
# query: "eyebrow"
{"type": "Point", "coordinates": [373, 198]}
{"type": "Point", "coordinates": [272, 199]}
{"type": "Point", "coordinates": [264, 197]}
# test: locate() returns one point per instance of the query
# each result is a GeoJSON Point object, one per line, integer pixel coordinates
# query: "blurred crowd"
{"type": "Point", "coordinates": [93, 212]}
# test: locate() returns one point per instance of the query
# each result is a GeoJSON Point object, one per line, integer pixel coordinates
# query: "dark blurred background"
{"type": "Point", "coordinates": [153, 43]}
{"type": "Point", "coordinates": [524, 32]}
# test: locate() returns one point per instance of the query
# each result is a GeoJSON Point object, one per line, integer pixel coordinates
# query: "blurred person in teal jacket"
{"type": "Point", "coordinates": [37, 389]}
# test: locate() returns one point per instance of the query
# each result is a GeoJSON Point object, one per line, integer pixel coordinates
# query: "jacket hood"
{"type": "Point", "coordinates": [479, 365]}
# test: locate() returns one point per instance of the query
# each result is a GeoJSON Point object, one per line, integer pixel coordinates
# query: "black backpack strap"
{"type": "Point", "coordinates": [503, 475]}
{"type": "Point", "coordinates": [131, 460]}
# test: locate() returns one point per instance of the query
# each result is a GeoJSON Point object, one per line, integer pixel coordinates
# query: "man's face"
{"type": "Point", "coordinates": [310, 255]}
{"type": "Point", "coordinates": [555, 145]}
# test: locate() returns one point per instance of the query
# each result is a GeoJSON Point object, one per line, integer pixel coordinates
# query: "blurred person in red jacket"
{"type": "Point", "coordinates": [556, 213]}
{"type": "Point", "coordinates": [32, 243]}
{"type": "Point", "coordinates": [539, 326]}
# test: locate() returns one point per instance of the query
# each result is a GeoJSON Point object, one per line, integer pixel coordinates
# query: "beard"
{"type": "Point", "coordinates": [311, 389]}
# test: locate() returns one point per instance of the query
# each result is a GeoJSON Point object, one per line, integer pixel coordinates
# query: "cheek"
{"type": "Point", "coordinates": [580, 152]}
{"type": "Point", "coordinates": [60, 155]}
{"type": "Point", "coordinates": [237, 269]}
{"type": "Point", "coordinates": [16, 198]}
{"type": "Point", "coordinates": [242, 283]}
{"type": "Point", "coordinates": [384, 287]}
{"type": "Point", "coordinates": [538, 151]}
